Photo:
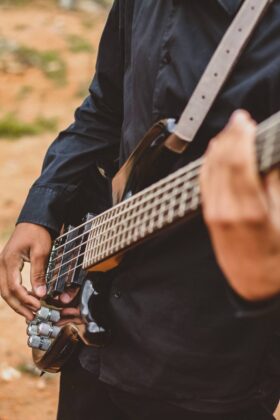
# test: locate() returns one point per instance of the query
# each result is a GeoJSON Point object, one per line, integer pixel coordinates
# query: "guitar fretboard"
{"type": "Point", "coordinates": [175, 197]}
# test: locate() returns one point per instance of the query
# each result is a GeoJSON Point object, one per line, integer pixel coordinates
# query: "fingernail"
{"type": "Point", "coordinates": [41, 291]}
{"type": "Point", "coordinates": [65, 298]}
{"type": "Point", "coordinates": [239, 116]}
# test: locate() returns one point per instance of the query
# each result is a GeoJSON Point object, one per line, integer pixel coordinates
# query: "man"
{"type": "Point", "coordinates": [184, 343]}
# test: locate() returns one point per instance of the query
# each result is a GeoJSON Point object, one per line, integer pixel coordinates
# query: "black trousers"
{"type": "Point", "coordinates": [84, 397]}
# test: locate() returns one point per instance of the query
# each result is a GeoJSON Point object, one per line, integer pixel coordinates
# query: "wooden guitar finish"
{"type": "Point", "coordinates": [56, 356]}
{"type": "Point", "coordinates": [147, 198]}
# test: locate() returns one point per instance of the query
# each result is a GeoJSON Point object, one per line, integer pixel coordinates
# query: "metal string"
{"type": "Point", "coordinates": [261, 129]}
{"type": "Point", "coordinates": [185, 171]}
{"type": "Point", "coordinates": [97, 219]}
{"type": "Point", "coordinates": [81, 255]}
{"type": "Point", "coordinates": [118, 225]}
{"type": "Point", "coordinates": [115, 227]}
{"type": "Point", "coordinates": [127, 210]}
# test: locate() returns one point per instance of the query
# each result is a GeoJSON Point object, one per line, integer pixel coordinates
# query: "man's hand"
{"type": "Point", "coordinates": [242, 211]}
{"type": "Point", "coordinates": [29, 243]}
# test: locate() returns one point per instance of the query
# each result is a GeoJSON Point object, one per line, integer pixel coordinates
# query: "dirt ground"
{"type": "Point", "coordinates": [28, 93]}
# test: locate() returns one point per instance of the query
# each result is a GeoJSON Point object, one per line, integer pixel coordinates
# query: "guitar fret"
{"type": "Point", "coordinates": [135, 228]}
{"type": "Point", "coordinates": [267, 158]}
{"type": "Point", "coordinates": [130, 234]}
{"type": "Point", "coordinates": [142, 226]}
{"type": "Point", "coordinates": [173, 197]}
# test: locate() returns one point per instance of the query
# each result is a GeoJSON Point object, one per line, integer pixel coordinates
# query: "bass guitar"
{"type": "Point", "coordinates": [147, 197]}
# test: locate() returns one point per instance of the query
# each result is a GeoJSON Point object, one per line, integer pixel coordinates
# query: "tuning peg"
{"type": "Point", "coordinates": [41, 343]}
{"type": "Point", "coordinates": [32, 329]}
{"type": "Point", "coordinates": [48, 330]}
{"type": "Point", "coordinates": [46, 314]}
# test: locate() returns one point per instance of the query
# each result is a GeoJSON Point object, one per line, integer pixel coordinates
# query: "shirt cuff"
{"type": "Point", "coordinates": [251, 309]}
{"type": "Point", "coordinates": [43, 207]}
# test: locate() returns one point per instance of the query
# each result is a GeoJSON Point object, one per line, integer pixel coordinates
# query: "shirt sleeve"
{"type": "Point", "coordinates": [94, 135]}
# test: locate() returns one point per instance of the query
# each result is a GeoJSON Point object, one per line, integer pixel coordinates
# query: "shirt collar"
{"type": "Point", "coordinates": [231, 6]}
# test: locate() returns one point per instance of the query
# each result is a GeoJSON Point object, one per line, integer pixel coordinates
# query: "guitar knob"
{"type": "Point", "coordinates": [41, 343]}
{"type": "Point", "coordinates": [48, 330]}
{"type": "Point", "coordinates": [46, 314]}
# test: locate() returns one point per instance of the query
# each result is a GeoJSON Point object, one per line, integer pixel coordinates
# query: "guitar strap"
{"type": "Point", "coordinates": [219, 68]}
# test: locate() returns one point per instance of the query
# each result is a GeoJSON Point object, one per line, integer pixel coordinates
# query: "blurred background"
{"type": "Point", "coordinates": [47, 58]}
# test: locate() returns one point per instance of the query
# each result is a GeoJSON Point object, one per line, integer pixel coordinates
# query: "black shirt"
{"type": "Point", "coordinates": [176, 331]}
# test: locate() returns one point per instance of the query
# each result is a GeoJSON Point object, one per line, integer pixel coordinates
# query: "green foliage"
{"type": "Point", "coordinates": [28, 368]}
{"type": "Point", "coordinates": [13, 128]}
{"type": "Point", "coordinates": [50, 62]}
{"type": "Point", "coordinates": [14, 2]}
{"type": "Point", "coordinates": [104, 3]}
{"type": "Point", "coordinates": [78, 44]}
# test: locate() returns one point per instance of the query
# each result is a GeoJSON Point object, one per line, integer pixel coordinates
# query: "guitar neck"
{"type": "Point", "coordinates": [164, 203]}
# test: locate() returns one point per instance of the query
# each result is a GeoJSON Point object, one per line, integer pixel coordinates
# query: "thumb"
{"type": "Point", "coordinates": [39, 262]}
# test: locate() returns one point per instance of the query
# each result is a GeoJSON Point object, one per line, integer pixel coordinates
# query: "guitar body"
{"type": "Point", "coordinates": [148, 195]}
{"type": "Point", "coordinates": [151, 161]}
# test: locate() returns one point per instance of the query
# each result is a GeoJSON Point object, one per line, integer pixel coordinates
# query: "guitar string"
{"type": "Point", "coordinates": [102, 218]}
{"type": "Point", "coordinates": [118, 225]}
{"type": "Point", "coordinates": [141, 212]}
{"type": "Point", "coordinates": [262, 128]}
{"type": "Point", "coordinates": [80, 265]}
{"type": "Point", "coordinates": [122, 245]}
{"type": "Point", "coordinates": [102, 244]}
{"type": "Point", "coordinates": [127, 209]}
{"type": "Point", "coordinates": [116, 216]}
{"type": "Point", "coordinates": [104, 232]}
{"type": "Point", "coordinates": [126, 203]}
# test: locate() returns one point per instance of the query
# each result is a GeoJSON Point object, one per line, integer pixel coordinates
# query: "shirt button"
{"type": "Point", "coordinates": [166, 58]}
{"type": "Point", "coordinates": [117, 294]}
